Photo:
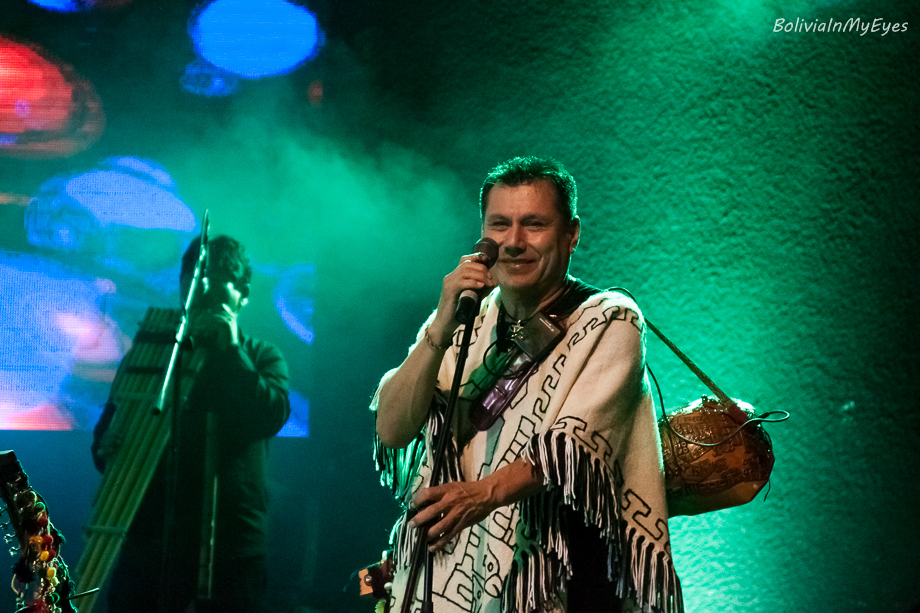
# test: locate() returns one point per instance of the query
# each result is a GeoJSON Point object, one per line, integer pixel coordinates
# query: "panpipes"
{"type": "Point", "coordinates": [141, 434]}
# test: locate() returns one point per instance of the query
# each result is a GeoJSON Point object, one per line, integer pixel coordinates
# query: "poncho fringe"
{"type": "Point", "coordinates": [399, 467]}
{"type": "Point", "coordinates": [577, 479]}
{"type": "Point", "coordinates": [580, 480]}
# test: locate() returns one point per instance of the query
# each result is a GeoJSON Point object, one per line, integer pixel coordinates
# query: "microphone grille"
{"type": "Point", "coordinates": [489, 248]}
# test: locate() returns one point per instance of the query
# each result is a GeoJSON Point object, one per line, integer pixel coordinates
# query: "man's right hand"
{"type": "Point", "coordinates": [470, 273]}
{"type": "Point", "coordinates": [214, 327]}
{"type": "Point", "coordinates": [404, 397]}
{"type": "Point", "coordinates": [213, 319]}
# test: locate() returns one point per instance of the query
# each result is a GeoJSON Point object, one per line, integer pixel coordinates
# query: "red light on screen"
{"type": "Point", "coordinates": [17, 199]}
{"type": "Point", "coordinates": [315, 93]}
{"type": "Point", "coordinates": [47, 416]}
{"type": "Point", "coordinates": [46, 109]}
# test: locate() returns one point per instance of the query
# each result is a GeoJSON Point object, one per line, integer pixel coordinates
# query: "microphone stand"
{"type": "Point", "coordinates": [182, 330]}
{"type": "Point", "coordinates": [437, 466]}
{"type": "Point", "coordinates": [173, 369]}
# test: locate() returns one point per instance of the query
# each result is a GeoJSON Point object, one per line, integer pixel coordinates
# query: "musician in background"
{"type": "Point", "coordinates": [243, 382]}
{"type": "Point", "coordinates": [555, 499]}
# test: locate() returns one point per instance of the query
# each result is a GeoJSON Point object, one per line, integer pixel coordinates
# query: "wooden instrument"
{"type": "Point", "coordinates": [376, 581]}
{"type": "Point", "coordinates": [716, 452]}
{"type": "Point", "coordinates": [40, 577]}
{"type": "Point", "coordinates": [716, 456]}
{"type": "Point", "coordinates": [139, 435]}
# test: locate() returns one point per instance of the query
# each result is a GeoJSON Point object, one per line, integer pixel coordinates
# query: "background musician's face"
{"type": "Point", "coordinates": [212, 319]}
{"type": "Point", "coordinates": [215, 293]}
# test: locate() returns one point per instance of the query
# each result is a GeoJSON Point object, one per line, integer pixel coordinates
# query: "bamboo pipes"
{"type": "Point", "coordinates": [141, 435]}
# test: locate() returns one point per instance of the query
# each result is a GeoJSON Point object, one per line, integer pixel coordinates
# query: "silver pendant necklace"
{"type": "Point", "coordinates": [515, 326]}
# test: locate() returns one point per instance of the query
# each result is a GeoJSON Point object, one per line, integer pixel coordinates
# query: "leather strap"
{"type": "Point", "coordinates": [496, 398]}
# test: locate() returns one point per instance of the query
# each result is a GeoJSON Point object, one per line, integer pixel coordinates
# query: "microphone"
{"type": "Point", "coordinates": [469, 299]}
{"type": "Point", "coordinates": [204, 254]}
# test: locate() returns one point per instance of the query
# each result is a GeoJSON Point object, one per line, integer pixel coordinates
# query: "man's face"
{"type": "Point", "coordinates": [214, 294]}
{"type": "Point", "coordinates": [534, 241]}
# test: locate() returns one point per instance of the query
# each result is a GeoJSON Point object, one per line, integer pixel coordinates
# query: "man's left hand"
{"type": "Point", "coordinates": [450, 508]}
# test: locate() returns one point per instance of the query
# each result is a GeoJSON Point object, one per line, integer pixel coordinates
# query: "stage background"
{"type": "Point", "coordinates": [756, 190]}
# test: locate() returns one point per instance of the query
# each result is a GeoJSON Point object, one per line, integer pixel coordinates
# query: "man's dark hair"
{"type": "Point", "coordinates": [227, 261]}
{"type": "Point", "coordinates": [526, 170]}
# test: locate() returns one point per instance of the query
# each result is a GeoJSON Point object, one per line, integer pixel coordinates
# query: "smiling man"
{"type": "Point", "coordinates": [555, 500]}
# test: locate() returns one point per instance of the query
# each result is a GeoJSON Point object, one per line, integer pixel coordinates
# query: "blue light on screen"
{"type": "Point", "coordinates": [72, 6]}
{"type": "Point", "coordinates": [205, 79]}
{"type": "Point", "coordinates": [108, 246]}
{"type": "Point", "coordinates": [294, 299]}
{"type": "Point", "coordinates": [152, 170]}
{"type": "Point", "coordinates": [63, 6]}
{"type": "Point", "coordinates": [299, 422]}
{"type": "Point", "coordinates": [255, 38]}
{"type": "Point", "coordinates": [106, 194]}
{"type": "Point", "coordinates": [124, 215]}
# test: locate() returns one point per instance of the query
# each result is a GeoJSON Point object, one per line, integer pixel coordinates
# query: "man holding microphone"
{"type": "Point", "coordinates": [552, 454]}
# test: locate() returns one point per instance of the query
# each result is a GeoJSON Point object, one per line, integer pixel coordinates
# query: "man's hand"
{"type": "Point", "coordinates": [215, 328]}
{"type": "Point", "coordinates": [405, 394]}
{"type": "Point", "coordinates": [450, 508]}
{"type": "Point", "coordinates": [212, 321]}
{"type": "Point", "coordinates": [472, 274]}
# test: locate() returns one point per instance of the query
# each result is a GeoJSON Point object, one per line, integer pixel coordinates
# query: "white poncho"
{"type": "Point", "coordinates": [586, 421]}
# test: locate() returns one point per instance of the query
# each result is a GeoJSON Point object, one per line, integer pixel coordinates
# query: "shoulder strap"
{"type": "Point", "coordinates": [722, 396]}
{"type": "Point", "coordinates": [574, 295]}
{"type": "Point", "coordinates": [493, 401]}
